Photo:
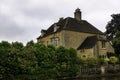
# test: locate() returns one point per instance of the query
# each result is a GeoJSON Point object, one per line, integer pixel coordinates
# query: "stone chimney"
{"type": "Point", "coordinates": [77, 14]}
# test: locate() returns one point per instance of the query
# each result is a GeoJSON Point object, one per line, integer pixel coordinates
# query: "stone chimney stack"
{"type": "Point", "coordinates": [77, 14]}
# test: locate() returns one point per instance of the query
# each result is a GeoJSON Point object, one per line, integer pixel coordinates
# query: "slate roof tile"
{"type": "Point", "coordinates": [74, 25]}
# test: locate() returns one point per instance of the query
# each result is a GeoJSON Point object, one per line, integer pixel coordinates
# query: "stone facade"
{"type": "Point", "coordinates": [72, 39]}
{"type": "Point", "coordinates": [65, 34]}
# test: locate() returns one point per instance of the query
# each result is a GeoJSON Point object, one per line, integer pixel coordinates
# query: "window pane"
{"type": "Point", "coordinates": [54, 41]}
{"type": "Point", "coordinates": [103, 44]}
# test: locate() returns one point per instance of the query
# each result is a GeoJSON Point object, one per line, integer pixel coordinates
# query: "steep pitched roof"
{"type": "Point", "coordinates": [88, 43]}
{"type": "Point", "coordinates": [74, 25]}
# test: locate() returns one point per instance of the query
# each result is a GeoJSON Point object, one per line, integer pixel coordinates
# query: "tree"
{"type": "Point", "coordinates": [36, 61]}
{"type": "Point", "coordinates": [27, 59]}
{"type": "Point", "coordinates": [113, 32]}
{"type": "Point", "coordinates": [62, 61]}
{"type": "Point", "coordinates": [116, 43]}
{"type": "Point", "coordinates": [5, 49]}
{"type": "Point", "coordinates": [113, 26]}
{"type": "Point", "coordinates": [16, 50]}
{"type": "Point", "coordinates": [67, 62]}
{"type": "Point", "coordinates": [45, 59]}
{"type": "Point", "coordinates": [73, 67]}
{"type": "Point", "coordinates": [92, 61]}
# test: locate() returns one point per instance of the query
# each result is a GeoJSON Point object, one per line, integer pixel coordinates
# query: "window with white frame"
{"type": "Point", "coordinates": [103, 44]}
{"type": "Point", "coordinates": [55, 41]}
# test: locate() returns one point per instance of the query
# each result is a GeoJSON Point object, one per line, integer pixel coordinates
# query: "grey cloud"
{"type": "Point", "coordinates": [22, 20]}
{"type": "Point", "coordinates": [9, 29]}
{"type": "Point", "coordinates": [41, 13]}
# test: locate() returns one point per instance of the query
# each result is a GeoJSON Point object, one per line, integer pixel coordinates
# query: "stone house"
{"type": "Point", "coordinates": [78, 34]}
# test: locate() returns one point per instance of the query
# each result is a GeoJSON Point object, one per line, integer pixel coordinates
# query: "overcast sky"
{"type": "Point", "coordinates": [22, 20]}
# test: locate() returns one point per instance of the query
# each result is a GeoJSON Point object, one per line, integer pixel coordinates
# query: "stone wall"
{"type": "Point", "coordinates": [85, 52]}
{"type": "Point", "coordinates": [103, 51]}
{"type": "Point", "coordinates": [74, 39]}
{"type": "Point", "coordinates": [47, 39]}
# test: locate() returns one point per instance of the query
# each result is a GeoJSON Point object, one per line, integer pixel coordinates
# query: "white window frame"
{"type": "Point", "coordinates": [55, 41]}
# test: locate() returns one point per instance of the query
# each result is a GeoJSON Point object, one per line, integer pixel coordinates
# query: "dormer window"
{"type": "Point", "coordinates": [43, 32]}
{"type": "Point", "coordinates": [56, 27]}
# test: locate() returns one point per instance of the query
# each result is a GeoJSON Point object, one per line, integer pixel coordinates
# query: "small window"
{"type": "Point", "coordinates": [55, 41]}
{"type": "Point", "coordinates": [43, 32]}
{"type": "Point", "coordinates": [82, 50]}
{"type": "Point", "coordinates": [103, 56]}
{"type": "Point", "coordinates": [103, 44]}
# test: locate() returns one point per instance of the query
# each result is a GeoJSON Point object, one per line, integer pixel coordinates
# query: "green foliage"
{"type": "Point", "coordinates": [36, 60]}
{"type": "Point", "coordinates": [116, 43]}
{"type": "Point", "coordinates": [113, 26]}
{"type": "Point", "coordinates": [92, 61]}
{"type": "Point", "coordinates": [106, 60]}
{"type": "Point", "coordinates": [5, 49]}
{"type": "Point", "coordinates": [67, 62]}
{"type": "Point", "coordinates": [113, 59]}
{"type": "Point", "coordinates": [113, 32]}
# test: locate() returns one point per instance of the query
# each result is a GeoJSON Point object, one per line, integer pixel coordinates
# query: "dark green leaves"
{"type": "Point", "coordinates": [113, 32]}
{"type": "Point", "coordinates": [37, 60]}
